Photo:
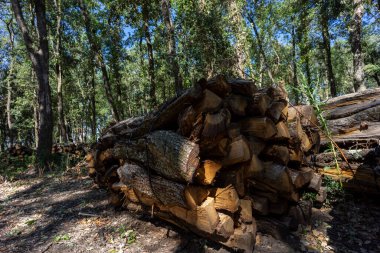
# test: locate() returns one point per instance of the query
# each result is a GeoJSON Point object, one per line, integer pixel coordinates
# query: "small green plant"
{"type": "Point", "coordinates": [30, 222]}
{"type": "Point", "coordinates": [309, 196]}
{"type": "Point", "coordinates": [129, 234]}
{"type": "Point", "coordinates": [334, 188]}
{"type": "Point", "coordinates": [64, 237]}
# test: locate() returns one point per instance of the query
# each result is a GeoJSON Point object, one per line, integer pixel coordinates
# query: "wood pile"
{"type": "Point", "coordinates": [354, 119]}
{"type": "Point", "coordinates": [354, 123]}
{"type": "Point", "coordinates": [79, 149]}
{"type": "Point", "coordinates": [19, 150]}
{"type": "Point", "coordinates": [210, 159]}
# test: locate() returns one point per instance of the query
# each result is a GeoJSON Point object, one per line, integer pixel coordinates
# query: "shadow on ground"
{"type": "Point", "coordinates": [68, 214]}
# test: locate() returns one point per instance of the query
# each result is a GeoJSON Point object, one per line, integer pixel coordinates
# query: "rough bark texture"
{"type": "Point", "coordinates": [356, 45]}
{"type": "Point", "coordinates": [326, 44]}
{"type": "Point", "coordinates": [354, 117]}
{"type": "Point", "coordinates": [151, 72]}
{"type": "Point", "coordinates": [40, 60]}
{"type": "Point", "coordinates": [161, 190]}
{"type": "Point", "coordinates": [58, 72]}
{"type": "Point", "coordinates": [96, 49]}
{"type": "Point", "coordinates": [165, 6]}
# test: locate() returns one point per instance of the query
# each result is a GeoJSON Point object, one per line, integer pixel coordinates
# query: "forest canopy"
{"type": "Point", "coordinates": [70, 67]}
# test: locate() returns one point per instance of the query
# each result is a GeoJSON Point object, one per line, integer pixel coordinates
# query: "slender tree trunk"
{"type": "Point", "coordinates": [10, 82]}
{"type": "Point", "coordinates": [58, 72]}
{"type": "Point", "coordinates": [294, 63]}
{"type": "Point", "coordinates": [261, 48]}
{"type": "Point", "coordinates": [165, 5]}
{"type": "Point", "coordinates": [303, 40]}
{"type": "Point", "coordinates": [95, 47]}
{"type": "Point", "coordinates": [327, 51]}
{"type": "Point", "coordinates": [238, 29]}
{"type": "Point", "coordinates": [40, 61]}
{"type": "Point", "coordinates": [93, 105]}
{"type": "Point", "coordinates": [356, 45]}
{"type": "Point", "coordinates": [151, 73]}
{"type": "Point", "coordinates": [115, 23]}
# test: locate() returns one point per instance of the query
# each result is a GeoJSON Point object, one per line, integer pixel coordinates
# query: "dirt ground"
{"type": "Point", "coordinates": [70, 214]}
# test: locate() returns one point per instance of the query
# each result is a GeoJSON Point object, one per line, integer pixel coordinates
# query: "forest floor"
{"type": "Point", "coordinates": [68, 213]}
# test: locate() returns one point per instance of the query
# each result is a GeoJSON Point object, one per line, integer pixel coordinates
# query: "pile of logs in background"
{"type": "Point", "coordinates": [211, 159]}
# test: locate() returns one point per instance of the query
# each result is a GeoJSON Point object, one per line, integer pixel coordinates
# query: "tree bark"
{"type": "Point", "coordinates": [356, 46]}
{"type": "Point", "coordinates": [40, 60]}
{"type": "Point", "coordinates": [326, 44]}
{"type": "Point", "coordinates": [93, 104]}
{"type": "Point", "coordinates": [58, 72]}
{"type": "Point", "coordinates": [152, 78]}
{"type": "Point", "coordinates": [95, 47]}
{"type": "Point", "coordinates": [294, 62]}
{"type": "Point", "coordinates": [165, 5]}
{"type": "Point", "coordinates": [261, 49]}
{"type": "Point", "coordinates": [116, 54]}
{"type": "Point", "coordinates": [10, 82]}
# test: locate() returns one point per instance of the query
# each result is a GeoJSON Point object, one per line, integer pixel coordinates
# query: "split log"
{"type": "Point", "coordinates": [225, 227]}
{"type": "Point", "coordinates": [215, 124]}
{"type": "Point", "coordinates": [161, 190]}
{"type": "Point", "coordinates": [195, 195]}
{"type": "Point", "coordinates": [226, 198]}
{"type": "Point", "coordinates": [299, 178]}
{"type": "Point", "coordinates": [276, 176]}
{"type": "Point", "coordinates": [206, 173]}
{"type": "Point", "coordinates": [282, 134]}
{"type": "Point", "coordinates": [245, 208]}
{"type": "Point", "coordinates": [237, 104]}
{"type": "Point", "coordinates": [186, 121]}
{"type": "Point", "coordinates": [276, 153]}
{"type": "Point", "coordinates": [259, 127]}
{"type": "Point", "coordinates": [260, 204]}
{"type": "Point", "coordinates": [315, 182]}
{"type": "Point", "coordinates": [238, 152]}
{"type": "Point", "coordinates": [172, 156]}
{"type": "Point", "coordinates": [242, 87]}
{"type": "Point", "coordinates": [218, 85]}
{"type": "Point", "coordinates": [210, 102]}
{"type": "Point", "coordinates": [204, 217]}
{"type": "Point", "coordinates": [275, 110]}
{"type": "Point", "coordinates": [260, 104]}
{"type": "Point", "coordinates": [255, 167]}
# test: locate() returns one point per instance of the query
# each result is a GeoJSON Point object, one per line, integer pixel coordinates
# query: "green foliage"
{"type": "Point", "coordinates": [63, 237]}
{"type": "Point", "coordinates": [128, 234]}
{"type": "Point", "coordinates": [334, 189]}
{"type": "Point", "coordinates": [210, 37]}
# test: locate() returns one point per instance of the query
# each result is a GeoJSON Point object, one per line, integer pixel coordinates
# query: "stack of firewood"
{"type": "Point", "coordinates": [19, 150]}
{"type": "Point", "coordinates": [353, 121]}
{"type": "Point", "coordinates": [210, 159]}
{"type": "Point", "coordinates": [76, 149]}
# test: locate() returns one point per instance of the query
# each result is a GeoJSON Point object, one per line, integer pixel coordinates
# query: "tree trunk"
{"type": "Point", "coordinates": [326, 44]}
{"type": "Point", "coordinates": [261, 49]}
{"type": "Point", "coordinates": [152, 78]}
{"type": "Point", "coordinates": [116, 53]}
{"type": "Point", "coordinates": [294, 62]}
{"type": "Point", "coordinates": [238, 28]}
{"type": "Point", "coordinates": [10, 83]}
{"type": "Point", "coordinates": [58, 72]}
{"type": "Point", "coordinates": [171, 46]}
{"type": "Point", "coordinates": [356, 46]}
{"type": "Point", "coordinates": [95, 47]}
{"type": "Point", "coordinates": [93, 104]}
{"type": "Point", "coordinates": [40, 61]}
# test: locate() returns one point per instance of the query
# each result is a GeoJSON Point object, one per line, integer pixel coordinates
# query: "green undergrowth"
{"type": "Point", "coordinates": [13, 168]}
